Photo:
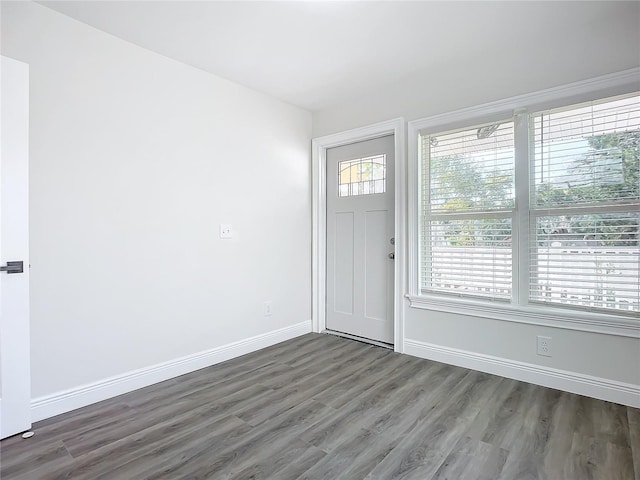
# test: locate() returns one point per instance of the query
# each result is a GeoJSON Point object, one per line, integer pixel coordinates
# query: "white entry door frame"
{"type": "Point", "coordinates": [319, 146]}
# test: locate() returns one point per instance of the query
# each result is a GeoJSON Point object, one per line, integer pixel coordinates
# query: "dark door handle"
{"type": "Point", "coordinates": [13, 267]}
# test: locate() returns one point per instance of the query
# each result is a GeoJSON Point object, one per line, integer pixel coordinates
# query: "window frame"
{"type": "Point", "coordinates": [607, 206]}
{"type": "Point", "coordinates": [507, 213]}
{"type": "Point", "coordinates": [519, 108]}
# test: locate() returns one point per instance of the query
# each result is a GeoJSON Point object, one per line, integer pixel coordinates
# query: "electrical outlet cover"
{"type": "Point", "coordinates": [544, 346]}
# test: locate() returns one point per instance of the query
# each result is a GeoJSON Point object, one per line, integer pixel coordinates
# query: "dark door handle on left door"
{"type": "Point", "coordinates": [13, 267]}
{"type": "Point", "coordinates": [392, 256]}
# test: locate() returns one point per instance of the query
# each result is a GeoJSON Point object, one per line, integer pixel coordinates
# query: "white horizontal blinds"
{"type": "Point", "coordinates": [469, 257]}
{"type": "Point", "coordinates": [585, 207]}
{"type": "Point", "coordinates": [593, 264]}
{"type": "Point", "coordinates": [467, 210]}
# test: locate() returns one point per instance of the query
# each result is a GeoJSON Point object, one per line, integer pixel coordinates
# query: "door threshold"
{"type": "Point", "coordinates": [359, 339]}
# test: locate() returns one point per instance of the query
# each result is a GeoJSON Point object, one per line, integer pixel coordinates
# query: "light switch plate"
{"type": "Point", "coordinates": [226, 231]}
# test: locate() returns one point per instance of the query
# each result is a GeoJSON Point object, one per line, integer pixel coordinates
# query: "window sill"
{"type": "Point", "coordinates": [534, 315]}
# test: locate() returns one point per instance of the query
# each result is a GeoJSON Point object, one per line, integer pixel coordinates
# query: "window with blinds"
{"type": "Point", "coordinates": [585, 206]}
{"type": "Point", "coordinates": [467, 211]}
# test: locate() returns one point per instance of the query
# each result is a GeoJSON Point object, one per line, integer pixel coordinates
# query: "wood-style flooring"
{"type": "Point", "coordinates": [323, 407]}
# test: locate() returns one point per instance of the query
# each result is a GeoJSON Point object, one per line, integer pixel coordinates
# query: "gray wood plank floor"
{"type": "Point", "coordinates": [323, 407]}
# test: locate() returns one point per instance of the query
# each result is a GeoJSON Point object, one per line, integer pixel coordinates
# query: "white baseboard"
{"type": "Point", "coordinates": [65, 401]}
{"type": "Point", "coordinates": [596, 387]}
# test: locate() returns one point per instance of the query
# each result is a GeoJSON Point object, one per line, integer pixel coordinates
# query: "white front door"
{"type": "Point", "coordinates": [360, 230]}
{"type": "Point", "coordinates": [15, 379]}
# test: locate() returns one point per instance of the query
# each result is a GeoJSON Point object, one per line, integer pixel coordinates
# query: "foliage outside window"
{"type": "Point", "coordinates": [583, 192]}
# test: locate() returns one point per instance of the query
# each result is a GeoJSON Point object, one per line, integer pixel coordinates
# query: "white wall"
{"type": "Point", "coordinates": [610, 357]}
{"type": "Point", "coordinates": [135, 161]}
{"type": "Point", "coordinates": [601, 38]}
{"type": "Point", "coordinates": [608, 44]}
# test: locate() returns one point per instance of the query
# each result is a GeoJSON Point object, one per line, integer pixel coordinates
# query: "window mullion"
{"type": "Point", "coordinates": [521, 223]}
{"type": "Point", "coordinates": [424, 227]}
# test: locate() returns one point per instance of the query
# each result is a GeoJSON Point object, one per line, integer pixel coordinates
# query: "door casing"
{"type": "Point", "coordinates": [319, 146]}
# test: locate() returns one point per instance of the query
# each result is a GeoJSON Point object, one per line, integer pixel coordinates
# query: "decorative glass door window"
{"type": "Point", "coordinates": [363, 176]}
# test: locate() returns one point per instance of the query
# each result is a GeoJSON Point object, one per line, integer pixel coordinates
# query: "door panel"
{"type": "Point", "coordinates": [360, 226]}
{"type": "Point", "coordinates": [376, 303]}
{"type": "Point", "coordinates": [344, 260]}
{"type": "Point", "coordinates": [15, 380]}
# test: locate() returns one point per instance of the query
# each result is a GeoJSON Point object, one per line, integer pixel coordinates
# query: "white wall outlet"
{"type": "Point", "coordinates": [544, 346]}
{"type": "Point", "coordinates": [267, 308]}
{"type": "Point", "coordinates": [226, 231]}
